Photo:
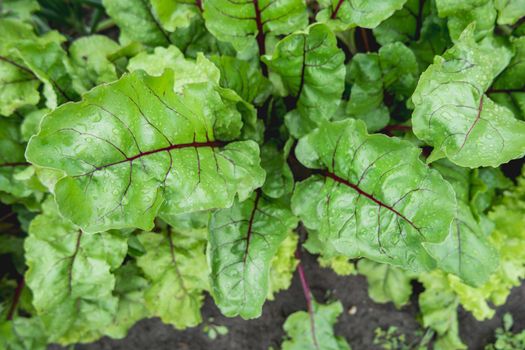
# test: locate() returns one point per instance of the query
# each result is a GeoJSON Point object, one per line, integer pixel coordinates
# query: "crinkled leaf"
{"type": "Point", "coordinates": [461, 13]}
{"type": "Point", "coordinates": [242, 243]}
{"type": "Point", "coordinates": [201, 70]}
{"type": "Point", "coordinates": [23, 333]}
{"type": "Point", "coordinates": [372, 196]}
{"type": "Point", "coordinates": [175, 264]}
{"type": "Point", "coordinates": [130, 286]}
{"type": "Point", "coordinates": [89, 58]}
{"type": "Point", "coordinates": [312, 69]}
{"type": "Point", "coordinates": [454, 116]}
{"type": "Point", "coordinates": [243, 77]}
{"type": "Point", "coordinates": [283, 265]}
{"type": "Point", "coordinates": [386, 283]}
{"type": "Point", "coordinates": [344, 14]}
{"type": "Point", "coordinates": [49, 63]}
{"type": "Point", "coordinates": [339, 264]}
{"type": "Point", "coordinates": [70, 276]}
{"type": "Point", "coordinates": [133, 146]}
{"type": "Point", "coordinates": [438, 305]}
{"type": "Point", "coordinates": [246, 24]}
{"type": "Point", "coordinates": [18, 85]}
{"type": "Point", "coordinates": [298, 329]}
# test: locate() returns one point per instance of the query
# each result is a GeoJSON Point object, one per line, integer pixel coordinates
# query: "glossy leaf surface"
{"type": "Point", "coordinates": [134, 146]}
{"type": "Point", "coordinates": [372, 196]}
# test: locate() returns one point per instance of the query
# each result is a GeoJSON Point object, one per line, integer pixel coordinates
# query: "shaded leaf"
{"type": "Point", "coordinates": [175, 264]}
{"type": "Point", "coordinates": [312, 69]}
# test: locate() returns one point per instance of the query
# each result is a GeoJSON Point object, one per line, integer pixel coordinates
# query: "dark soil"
{"type": "Point", "coordinates": [266, 331]}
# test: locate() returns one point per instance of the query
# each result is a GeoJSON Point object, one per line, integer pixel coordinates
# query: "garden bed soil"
{"type": "Point", "coordinates": [266, 331]}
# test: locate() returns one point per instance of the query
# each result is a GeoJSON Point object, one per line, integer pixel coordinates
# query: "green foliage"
{"type": "Point", "coordinates": [155, 151]}
{"type": "Point", "coordinates": [505, 339]}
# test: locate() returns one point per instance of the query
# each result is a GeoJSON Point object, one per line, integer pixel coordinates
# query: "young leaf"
{"type": "Point", "coordinates": [175, 264]}
{"type": "Point", "coordinates": [509, 11]}
{"type": "Point", "coordinates": [386, 283]}
{"type": "Point", "coordinates": [70, 276]}
{"type": "Point", "coordinates": [372, 196]}
{"type": "Point", "coordinates": [439, 305]}
{"type": "Point", "coordinates": [245, 24]}
{"type": "Point", "coordinates": [242, 242]}
{"type": "Point", "coordinates": [133, 146]}
{"type": "Point", "coordinates": [298, 328]}
{"type": "Point", "coordinates": [342, 15]}
{"type": "Point", "coordinates": [283, 265]}
{"type": "Point", "coordinates": [312, 69]}
{"type": "Point", "coordinates": [454, 116]}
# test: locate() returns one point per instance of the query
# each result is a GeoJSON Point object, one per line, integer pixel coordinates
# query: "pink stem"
{"type": "Point", "coordinates": [307, 296]}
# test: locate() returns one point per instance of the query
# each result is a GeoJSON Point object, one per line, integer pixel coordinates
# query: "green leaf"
{"type": "Point", "coordinates": [342, 15]}
{"type": "Point", "coordinates": [173, 14]}
{"type": "Point", "coordinates": [137, 21]}
{"type": "Point", "coordinates": [243, 77]}
{"type": "Point", "coordinates": [372, 196]}
{"type": "Point", "coordinates": [130, 286]}
{"type": "Point", "coordinates": [121, 167]}
{"type": "Point", "coordinates": [484, 16]}
{"type": "Point", "coordinates": [391, 71]}
{"type": "Point", "coordinates": [279, 179]}
{"type": "Point", "coordinates": [23, 333]}
{"type": "Point", "coordinates": [175, 264]}
{"type": "Point", "coordinates": [22, 9]}
{"type": "Point", "coordinates": [12, 161]}
{"type": "Point", "coordinates": [201, 70]}
{"type": "Point", "coordinates": [18, 85]}
{"type": "Point", "coordinates": [438, 305]}
{"type": "Point", "coordinates": [509, 87]}
{"type": "Point", "coordinates": [242, 242]}
{"type": "Point", "coordinates": [49, 63]}
{"type": "Point", "coordinates": [89, 58]}
{"type": "Point", "coordinates": [70, 276]}
{"type": "Point", "coordinates": [340, 264]}
{"type": "Point", "coordinates": [454, 116]}
{"type": "Point", "coordinates": [386, 283]}
{"type": "Point", "coordinates": [509, 11]}
{"type": "Point", "coordinates": [298, 328]}
{"type": "Point", "coordinates": [466, 252]}
{"type": "Point", "coordinates": [312, 69]}
{"type": "Point", "coordinates": [246, 24]}
{"type": "Point", "coordinates": [283, 265]}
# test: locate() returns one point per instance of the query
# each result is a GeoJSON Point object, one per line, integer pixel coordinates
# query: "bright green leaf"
{"type": "Point", "coordinates": [372, 196]}
{"type": "Point", "coordinates": [133, 146]}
